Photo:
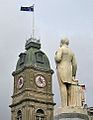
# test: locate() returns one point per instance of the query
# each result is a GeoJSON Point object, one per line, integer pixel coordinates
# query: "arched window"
{"type": "Point", "coordinates": [19, 115]}
{"type": "Point", "coordinates": [40, 114]}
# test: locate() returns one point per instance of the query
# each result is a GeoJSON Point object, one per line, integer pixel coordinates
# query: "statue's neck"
{"type": "Point", "coordinates": [64, 45]}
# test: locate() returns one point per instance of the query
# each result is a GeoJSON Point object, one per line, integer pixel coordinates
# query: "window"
{"type": "Point", "coordinates": [22, 58]}
{"type": "Point", "coordinates": [40, 114]}
{"type": "Point", "coordinates": [39, 57]}
{"type": "Point", "coordinates": [39, 118]}
{"type": "Point", "coordinates": [40, 111]}
{"type": "Point", "coordinates": [19, 115]}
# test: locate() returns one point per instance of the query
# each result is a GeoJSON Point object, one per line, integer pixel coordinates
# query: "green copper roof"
{"type": "Point", "coordinates": [33, 56]}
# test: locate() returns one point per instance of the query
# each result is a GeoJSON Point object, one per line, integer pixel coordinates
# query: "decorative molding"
{"type": "Point", "coordinates": [27, 90]}
{"type": "Point", "coordinates": [34, 68]}
{"type": "Point", "coordinates": [71, 115]}
{"type": "Point", "coordinates": [31, 100]}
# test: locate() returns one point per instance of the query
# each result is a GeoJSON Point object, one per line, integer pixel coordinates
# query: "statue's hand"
{"type": "Point", "coordinates": [73, 78]}
{"type": "Point", "coordinates": [74, 81]}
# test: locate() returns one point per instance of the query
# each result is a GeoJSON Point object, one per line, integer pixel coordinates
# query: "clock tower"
{"type": "Point", "coordinates": [32, 95]}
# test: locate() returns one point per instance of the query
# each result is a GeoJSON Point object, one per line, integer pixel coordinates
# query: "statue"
{"type": "Point", "coordinates": [66, 71]}
{"type": "Point", "coordinates": [72, 94]}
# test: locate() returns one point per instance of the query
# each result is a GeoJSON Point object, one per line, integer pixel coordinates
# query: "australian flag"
{"type": "Point", "coordinates": [30, 9]}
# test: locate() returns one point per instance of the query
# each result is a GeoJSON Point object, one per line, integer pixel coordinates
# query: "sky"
{"type": "Point", "coordinates": [53, 20]}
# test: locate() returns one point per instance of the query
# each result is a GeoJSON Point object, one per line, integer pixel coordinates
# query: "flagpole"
{"type": "Point", "coordinates": [33, 25]}
{"type": "Point", "coordinates": [31, 9]}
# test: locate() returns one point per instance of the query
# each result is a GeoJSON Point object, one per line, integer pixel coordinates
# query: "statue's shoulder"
{"type": "Point", "coordinates": [71, 52]}
{"type": "Point", "coordinates": [59, 49]}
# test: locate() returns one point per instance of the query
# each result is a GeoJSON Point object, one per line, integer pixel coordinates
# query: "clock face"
{"type": "Point", "coordinates": [40, 81]}
{"type": "Point", "coordinates": [20, 82]}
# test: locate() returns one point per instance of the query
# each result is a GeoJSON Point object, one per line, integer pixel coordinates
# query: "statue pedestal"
{"type": "Point", "coordinates": [71, 113]}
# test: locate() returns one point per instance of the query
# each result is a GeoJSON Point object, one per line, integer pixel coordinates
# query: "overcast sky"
{"type": "Point", "coordinates": [54, 19]}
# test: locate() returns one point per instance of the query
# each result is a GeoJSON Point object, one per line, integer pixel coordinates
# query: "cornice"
{"type": "Point", "coordinates": [31, 100]}
{"type": "Point", "coordinates": [27, 90]}
{"type": "Point", "coordinates": [34, 68]}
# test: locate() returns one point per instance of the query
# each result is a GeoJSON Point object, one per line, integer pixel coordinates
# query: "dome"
{"type": "Point", "coordinates": [33, 56]}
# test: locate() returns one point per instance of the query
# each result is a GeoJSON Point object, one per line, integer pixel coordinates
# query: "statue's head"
{"type": "Point", "coordinates": [64, 41]}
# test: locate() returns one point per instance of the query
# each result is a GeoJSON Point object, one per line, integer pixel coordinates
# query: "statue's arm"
{"type": "Point", "coordinates": [74, 66]}
{"type": "Point", "coordinates": [58, 55]}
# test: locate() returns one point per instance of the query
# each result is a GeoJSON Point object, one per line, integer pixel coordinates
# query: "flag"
{"type": "Point", "coordinates": [83, 87]}
{"type": "Point", "coordinates": [30, 9]}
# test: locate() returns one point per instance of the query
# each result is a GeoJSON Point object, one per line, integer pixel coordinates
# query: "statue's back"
{"type": "Point", "coordinates": [67, 55]}
{"type": "Point", "coordinates": [64, 67]}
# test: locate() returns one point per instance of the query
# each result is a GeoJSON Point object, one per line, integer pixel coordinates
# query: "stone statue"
{"type": "Point", "coordinates": [76, 96]}
{"type": "Point", "coordinates": [72, 95]}
{"type": "Point", "coordinates": [66, 70]}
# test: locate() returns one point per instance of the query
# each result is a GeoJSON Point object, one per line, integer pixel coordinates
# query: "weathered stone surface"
{"type": "Point", "coordinates": [31, 101]}
{"type": "Point", "coordinates": [77, 96]}
{"type": "Point", "coordinates": [90, 112]}
{"type": "Point", "coordinates": [72, 116]}
{"type": "Point", "coordinates": [71, 113]}
{"type": "Point", "coordinates": [70, 109]}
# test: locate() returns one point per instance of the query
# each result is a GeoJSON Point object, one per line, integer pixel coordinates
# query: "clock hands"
{"type": "Point", "coordinates": [40, 80]}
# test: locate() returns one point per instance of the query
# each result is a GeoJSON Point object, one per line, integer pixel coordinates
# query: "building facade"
{"type": "Point", "coordinates": [90, 113]}
{"type": "Point", "coordinates": [32, 95]}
